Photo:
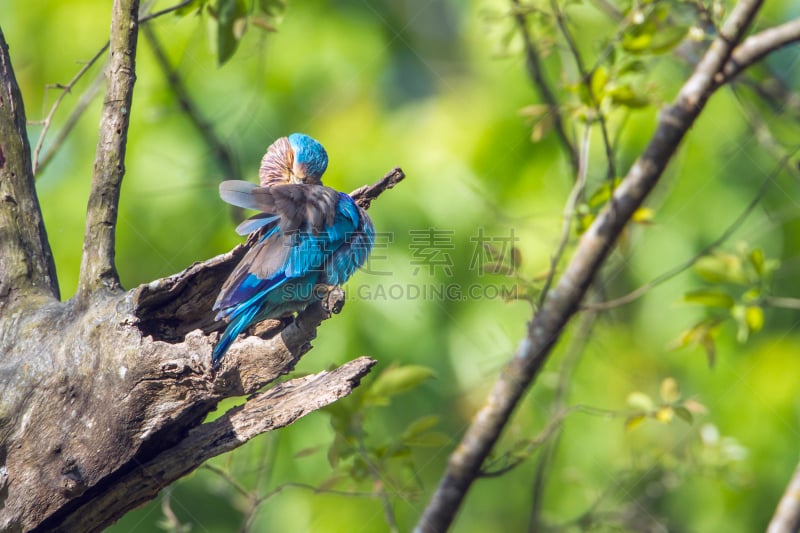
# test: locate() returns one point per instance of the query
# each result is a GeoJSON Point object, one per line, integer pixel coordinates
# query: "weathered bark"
{"type": "Point", "coordinates": [96, 398]}
{"type": "Point", "coordinates": [102, 397]}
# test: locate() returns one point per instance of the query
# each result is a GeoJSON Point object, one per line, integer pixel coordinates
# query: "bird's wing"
{"type": "Point", "coordinates": [358, 238]}
{"type": "Point", "coordinates": [260, 271]}
{"type": "Point", "coordinates": [309, 229]}
{"type": "Point", "coordinates": [299, 207]}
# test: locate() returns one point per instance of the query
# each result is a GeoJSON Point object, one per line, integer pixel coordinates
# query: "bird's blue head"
{"type": "Point", "coordinates": [310, 159]}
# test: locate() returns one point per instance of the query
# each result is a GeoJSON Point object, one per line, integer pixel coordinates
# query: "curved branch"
{"type": "Point", "coordinates": [97, 261]}
{"type": "Point", "coordinates": [562, 302]}
{"type": "Point", "coordinates": [26, 262]}
{"type": "Point", "coordinates": [755, 47]}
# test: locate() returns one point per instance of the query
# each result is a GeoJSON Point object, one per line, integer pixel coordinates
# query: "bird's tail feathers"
{"type": "Point", "coordinates": [235, 326]}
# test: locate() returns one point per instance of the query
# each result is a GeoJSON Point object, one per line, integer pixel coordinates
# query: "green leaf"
{"type": "Point", "coordinates": [754, 317]}
{"type": "Point", "coordinates": [701, 334]}
{"type": "Point", "coordinates": [598, 82]}
{"type": "Point", "coordinates": [625, 96]}
{"type": "Point", "coordinates": [721, 268]}
{"type": "Point", "coordinates": [641, 401]}
{"type": "Point", "coordinates": [710, 298]}
{"type": "Point", "coordinates": [669, 391]}
{"type": "Point", "coordinates": [231, 18]}
{"type": "Point", "coordinates": [757, 260]}
{"type": "Point", "coordinates": [634, 66]}
{"type": "Point", "coordinates": [664, 414]}
{"type": "Point", "coordinates": [684, 414]}
{"type": "Point", "coordinates": [632, 422]}
{"type": "Point", "coordinates": [431, 439]}
{"type": "Point", "coordinates": [398, 379]}
{"type": "Point", "coordinates": [420, 425]}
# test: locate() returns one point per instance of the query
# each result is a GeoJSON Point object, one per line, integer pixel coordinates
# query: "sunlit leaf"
{"type": "Point", "coordinates": [721, 268]}
{"type": "Point", "coordinates": [693, 406]}
{"type": "Point", "coordinates": [754, 317]}
{"type": "Point", "coordinates": [669, 391]}
{"type": "Point", "coordinates": [710, 298]}
{"type": "Point", "coordinates": [665, 414]}
{"type": "Point", "coordinates": [626, 96]}
{"type": "Point", "coordinates": [641, 401]}
{"type": "Point", "coordinates": [757, 260]}
{"type": "Point", "coordinates": [598, 82]}
{"type": "Point", "coordinates": [643, 215]}
{"type": "Point", "coordinates": [632, 422]}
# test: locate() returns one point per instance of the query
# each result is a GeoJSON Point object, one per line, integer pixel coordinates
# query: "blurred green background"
{"type": "Point", "coordinates": [437, 88]}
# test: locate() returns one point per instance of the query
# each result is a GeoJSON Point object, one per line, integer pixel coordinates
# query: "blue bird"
{"type": "Point", "coordinates": [308, 234]}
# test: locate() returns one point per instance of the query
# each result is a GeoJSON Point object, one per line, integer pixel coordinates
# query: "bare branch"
{"type": "Point", "coordinates": [536, 71]}
{"type": "Point", "coordinates": [569, 214]}
{"type": "Point", "coordinates": [562, 302]}
{"type": "Point", "coordinates": [787, 515]}
{"type": "Point", "coordinates": [783, 302]}
{"type": "Point", "coordinates": [26, 261]}
{"type": "Point", "coordinates": [366, 194]}
{"type": "Point", "coordinates": [267, 411]}
{"type": "Point", "coordinates": [586, 80]}
{"type": "Point", "coordinates": [97, 261]}
{"type": "Point", "coordinates": [83, 103]}
{"type": "Point", "coordinates": [65, 90]}
{"type": "Point", "coordinates": [77, 112]}
{"type": "Point", "coordinates": [755, 47]}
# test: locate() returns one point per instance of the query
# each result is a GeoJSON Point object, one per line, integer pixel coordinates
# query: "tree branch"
{"type": "Point", "coordinates": [536, 72]}
{"type": "Point", "coordinates": [366, 194]}
{"type": "Point", "coordinates": [787, 515]}
{"type": "Point", "coordinates": [266, 411]}
{"type": "Point", "coordinates": [97, 261]}
{"type": "Point", "coordinates": [755, 47]}
{"type": "Point", "coordinates": [563, 301]}
{"type": "Point", "coordinates": [65, 90]}
{"type": "Point", "coordinates": [26, 262]}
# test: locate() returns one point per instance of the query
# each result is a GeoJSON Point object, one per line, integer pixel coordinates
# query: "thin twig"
{"type": "Point", "coordinates": [569, 214]}
{"type": "Point", "coordinates": [586, 80]}
{"type": "Point", "coordinates": [65, 89]}
{"type": "Point", "coordinates": [783, 302]}
{"type": "Point", "coordinates": [83, 103]}
{"type": "Point", "coordinates": [758, 45]}
{"type": "Point", "coordinates": [716, 243]}
{"type": "Point", "coordinates": [536, 72]}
